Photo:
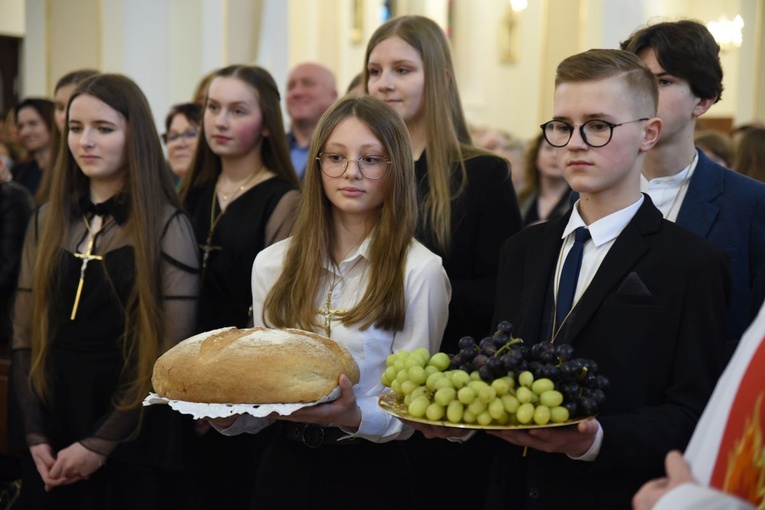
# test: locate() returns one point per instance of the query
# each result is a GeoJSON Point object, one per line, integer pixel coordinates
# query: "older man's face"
{"type": "Point", "coordinates": [310, 91]}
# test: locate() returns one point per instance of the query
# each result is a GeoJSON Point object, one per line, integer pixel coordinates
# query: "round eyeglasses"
{"type": "Point", "coordinates": [371, 166]}
{"type": "Point", "coordinates": [595, 132]}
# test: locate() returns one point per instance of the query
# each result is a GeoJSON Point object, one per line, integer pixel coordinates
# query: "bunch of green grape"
{"type": "Point", "coordinates": [497, 381]}
{"type": "Point", "coordinates": [433, 392]}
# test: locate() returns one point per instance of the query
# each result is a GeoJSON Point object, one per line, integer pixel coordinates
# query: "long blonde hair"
{"type": "Point", "coordinates": [149, 191]}
{"type": "Point", "coordinates": [448, 137]}
{"type": "Point", "coordinates": [290, 302]}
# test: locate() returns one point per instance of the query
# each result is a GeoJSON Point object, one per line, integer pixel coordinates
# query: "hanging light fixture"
{"type": "Point", "coordinates": [519, 5]}
{"type": "Point", "coordinates": [727, 32]}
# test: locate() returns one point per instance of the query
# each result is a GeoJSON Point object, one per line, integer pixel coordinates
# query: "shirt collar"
{"type": "Point", "coordinates": [671, 181]}
{"type": "Point", "coordinates": [350, 260]}
{"type": "Point", "coordinates": [605, 229]}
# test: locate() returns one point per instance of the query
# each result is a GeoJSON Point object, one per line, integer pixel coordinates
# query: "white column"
{"type": "Point", "coordinates": [211, 34]}
{"type": "Point", "coordinates": [186, 67]}
{"type": "Point", "coordinates": [146, 51]}
{"type": "Point", "coordinates": [274, 45]}
{"type": "Point", "coordinates": [33, 72]}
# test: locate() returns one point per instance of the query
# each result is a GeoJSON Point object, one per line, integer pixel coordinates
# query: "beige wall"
{"type": "Point", "coordinates": [65, 53]}
{"type": "Point", "coordinates": [167, 45]}
{"type": "Point", "coordinates": [12, 17]}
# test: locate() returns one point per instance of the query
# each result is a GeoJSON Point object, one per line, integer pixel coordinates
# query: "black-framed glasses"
{"type": "Point", "coordinates": [595, 132]}
{"type": "Point", "coordinates": [371, 166]}
{"type": "Point", "coordinates": [173, 136]}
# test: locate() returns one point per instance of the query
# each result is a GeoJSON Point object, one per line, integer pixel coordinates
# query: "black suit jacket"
{"type": "Point", "coordinates": [653, 318]}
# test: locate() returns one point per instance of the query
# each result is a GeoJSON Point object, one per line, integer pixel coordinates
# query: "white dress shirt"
{"type": "Point", "coordinates": [427, 293]}
{"type": "Point", "coordinates": [603, 232]}
{"type": "Point", "coordinates": [668, 193]}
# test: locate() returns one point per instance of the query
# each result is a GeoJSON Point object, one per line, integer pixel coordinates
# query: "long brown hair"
{"type": "Point", "coordinates": [448, 137]}
{"type": "Point", "coordinates": [290, 302]}
{"type": "Point", "coordinates": [149, 191]}
{"type": "Point", "coordinates": [275, 152]}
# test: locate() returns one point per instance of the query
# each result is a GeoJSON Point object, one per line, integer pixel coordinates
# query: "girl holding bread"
{"type": "Point", "coordinates": [109, 281]}
{"type": "Point", "coordinates": [351, 271]}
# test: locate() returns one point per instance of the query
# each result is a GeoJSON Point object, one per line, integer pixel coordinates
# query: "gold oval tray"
{"type": "Point", "coordinates": [394, 405]}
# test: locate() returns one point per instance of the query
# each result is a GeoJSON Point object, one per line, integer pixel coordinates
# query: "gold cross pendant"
{"type": "Point", "coordinates": [86, 257]}
{"type": "Point", "coordinates": [207, 248]}
{"type": "Point", "coordinates": [328, 312]}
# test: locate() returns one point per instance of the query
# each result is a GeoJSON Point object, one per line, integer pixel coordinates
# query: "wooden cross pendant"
{"type": "Point", "coordinates": [328, 312]}
{"type": "Point", "coordinates": [86, 257]}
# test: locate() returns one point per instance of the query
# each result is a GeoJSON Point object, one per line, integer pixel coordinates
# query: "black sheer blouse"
{"type": "Point", "coordinates": [86, 356]}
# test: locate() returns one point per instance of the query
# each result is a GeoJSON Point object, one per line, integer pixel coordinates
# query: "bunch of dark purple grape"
{"type": "Point", "coordinates": [501, 354]}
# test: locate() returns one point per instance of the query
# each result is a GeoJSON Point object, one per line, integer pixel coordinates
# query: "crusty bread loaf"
{"type": "Point", "coordinates": [253, 366]}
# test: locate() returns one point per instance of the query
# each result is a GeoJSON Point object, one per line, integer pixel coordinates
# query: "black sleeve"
{"type": "Point", "coordinates": [493, 216]}
{"type": "Point", "coordinates": [180, 289]}
{"type": "Point", "coordinates": [15, 210]}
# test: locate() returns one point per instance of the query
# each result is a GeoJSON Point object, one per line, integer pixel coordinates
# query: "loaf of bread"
{"type": "Point", "coordinates": [253, 366]}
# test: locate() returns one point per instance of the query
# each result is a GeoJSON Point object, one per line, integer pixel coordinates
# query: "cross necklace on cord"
{"type": "Point", "coordinates": [86, 258]}
{"type": "Point", "coordinates": [208, 247]}
{"type": "Point", "coordinates": [327, 311]}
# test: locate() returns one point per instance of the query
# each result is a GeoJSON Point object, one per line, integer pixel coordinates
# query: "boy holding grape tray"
{"type": "Point", "coordinates": [642, 297]}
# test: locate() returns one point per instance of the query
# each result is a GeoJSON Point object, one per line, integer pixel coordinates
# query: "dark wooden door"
{"type": "Point", "coordinates": [9, 72]}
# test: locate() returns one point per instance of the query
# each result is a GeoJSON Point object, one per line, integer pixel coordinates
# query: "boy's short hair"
{"type": "Point", "coordinates": [686, 49]}
{"type": "Point", "coordinates": [600, 64]}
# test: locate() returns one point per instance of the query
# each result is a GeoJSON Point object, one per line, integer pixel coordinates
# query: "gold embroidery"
{"type": "Point", "coordinates": [745, 475]}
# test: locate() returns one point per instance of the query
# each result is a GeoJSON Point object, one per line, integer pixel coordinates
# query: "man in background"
{"type": "Point", "coordinates": [311, 89]}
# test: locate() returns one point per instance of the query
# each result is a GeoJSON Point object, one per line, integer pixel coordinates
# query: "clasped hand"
{"type": "Point", "coordinates": [72, 464]}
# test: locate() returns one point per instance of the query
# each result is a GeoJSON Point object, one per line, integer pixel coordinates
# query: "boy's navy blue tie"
{"type": "Point", "coordinates": [570, 275]}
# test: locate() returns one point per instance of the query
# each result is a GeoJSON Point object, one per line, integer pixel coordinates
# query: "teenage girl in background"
{"type": "Point", "coordinates": [241, 192]}
{"type": "Point", "coordinates": [469, 204]}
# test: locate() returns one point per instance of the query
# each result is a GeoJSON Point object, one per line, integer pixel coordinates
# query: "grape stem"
{"type": "Point", "coordinates": [513, 341]}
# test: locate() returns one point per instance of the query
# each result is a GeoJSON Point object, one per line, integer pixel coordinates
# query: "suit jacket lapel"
{"type": "Point", "coordinates": [540, 263]}
{"type": "Point", "coordinates": [698, 211]}
{"type": "Point", "coordinates": [628, 248]}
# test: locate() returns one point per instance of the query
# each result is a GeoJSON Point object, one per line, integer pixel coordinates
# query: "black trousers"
{"type": "Point", "coordinates": [363, 475]}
